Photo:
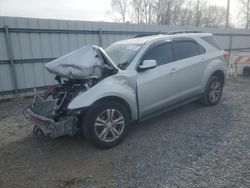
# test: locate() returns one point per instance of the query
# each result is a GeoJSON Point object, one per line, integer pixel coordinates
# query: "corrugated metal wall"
{"type": "Point", "coordinates": [33, 42]}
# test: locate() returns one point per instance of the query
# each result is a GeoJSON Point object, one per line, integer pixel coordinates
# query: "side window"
{"type": "Point", "coordinates": [186, 49]}
{"type": "Point", "coordinates": [163, 54]}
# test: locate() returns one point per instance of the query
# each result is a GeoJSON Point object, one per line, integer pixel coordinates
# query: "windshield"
{"type": "Point", "coordinates": [123, 54]}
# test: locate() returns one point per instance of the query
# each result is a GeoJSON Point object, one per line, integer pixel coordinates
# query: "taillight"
{"type": "Point", "coordinates": [226, 55]}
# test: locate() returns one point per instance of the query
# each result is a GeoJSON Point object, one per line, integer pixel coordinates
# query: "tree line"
{"type": "Point", "coordinates": [197, 13]}
{"type": "Point", "coordinates": [245, 12]}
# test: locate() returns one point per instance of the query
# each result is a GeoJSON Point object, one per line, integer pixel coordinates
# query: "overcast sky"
{"type": "Point", "coordinates": [91, 10]}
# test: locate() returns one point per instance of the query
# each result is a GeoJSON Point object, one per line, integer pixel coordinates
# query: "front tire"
{"type": "Point", "coordinates": [38, 132]}
{"type": "Point", "coordinates": [213, 91]}
{"type": "Point", "coordinates": [106, 124]}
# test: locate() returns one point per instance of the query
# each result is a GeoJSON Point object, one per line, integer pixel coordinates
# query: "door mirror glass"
{"type": "Point", "coordinates": [147, 64]}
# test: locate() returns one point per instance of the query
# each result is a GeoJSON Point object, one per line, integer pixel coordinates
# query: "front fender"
{"type": "Point", "coordinates": [109, 87]}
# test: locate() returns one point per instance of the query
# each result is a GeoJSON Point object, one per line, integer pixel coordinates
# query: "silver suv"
{"type": "Point", "coordinates": [100, 92]}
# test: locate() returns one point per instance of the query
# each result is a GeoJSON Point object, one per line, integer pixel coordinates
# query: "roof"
{"type": "Point", "coordinates": [140, 40]}
{"type": "Point", "coordinates": [144, 39]}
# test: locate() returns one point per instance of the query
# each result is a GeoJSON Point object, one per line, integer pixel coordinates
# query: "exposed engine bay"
{"type": "Point", "coordinates": [76, 72]}
{"type": "Point", "coordinates": [63, 93]}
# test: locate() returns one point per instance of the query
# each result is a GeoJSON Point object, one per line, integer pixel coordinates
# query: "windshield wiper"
{"type": "Point", "coordinates": [123, 65]}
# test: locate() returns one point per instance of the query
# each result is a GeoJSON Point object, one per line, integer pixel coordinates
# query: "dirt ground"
{"type": "Point", "coordinates": [192, 146]}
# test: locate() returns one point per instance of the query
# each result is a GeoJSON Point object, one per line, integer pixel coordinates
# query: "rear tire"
{"type": "Point", "coordinates": [213, 91]}
{"type": "Point", "coordinates": [106, 124]}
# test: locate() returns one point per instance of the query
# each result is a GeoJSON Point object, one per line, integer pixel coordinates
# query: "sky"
{"type": "Point", "coordinates": [88, 10]}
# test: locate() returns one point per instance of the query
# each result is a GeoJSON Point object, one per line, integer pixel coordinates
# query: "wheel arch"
{"type": "Point", "coordinates": [214, 68]}
{"type": "Point", "coordinates": [220, 74]}
{"type": "Point", "coordinates": [117, 99]}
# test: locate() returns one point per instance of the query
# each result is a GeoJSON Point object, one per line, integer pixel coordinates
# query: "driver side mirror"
{"type": "Point", "coordinates": [147, 64]}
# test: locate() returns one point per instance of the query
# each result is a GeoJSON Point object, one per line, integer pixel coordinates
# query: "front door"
{"type": "Point", "coordinates": [157, 88]}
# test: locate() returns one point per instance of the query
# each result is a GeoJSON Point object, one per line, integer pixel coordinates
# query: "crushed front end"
{"type": "Point", "coordinates": [49, 114]}
{"type": "Point", "coordinates": [75, 72]}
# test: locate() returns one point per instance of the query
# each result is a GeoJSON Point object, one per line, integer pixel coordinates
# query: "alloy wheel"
{"type": "Point", "coordinates": [109, 125]}
{"type": "Point", "coordinates": [215, 91]}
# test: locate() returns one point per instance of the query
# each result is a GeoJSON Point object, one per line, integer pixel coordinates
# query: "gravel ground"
{"type": "Point", "coordinates": [192, 146]}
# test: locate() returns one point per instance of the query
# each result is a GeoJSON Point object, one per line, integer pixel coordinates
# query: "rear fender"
{"type": "Point", "coordinates": [213, 66]}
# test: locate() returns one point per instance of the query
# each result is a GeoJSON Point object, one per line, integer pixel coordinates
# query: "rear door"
{"type": "Point", "coordinates": [190, 65]}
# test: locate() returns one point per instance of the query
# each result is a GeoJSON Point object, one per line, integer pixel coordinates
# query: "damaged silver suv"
{"type": "Point", "coordinates": [100, 92]}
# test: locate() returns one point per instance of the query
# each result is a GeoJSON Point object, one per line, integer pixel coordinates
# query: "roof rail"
{"type": "Point", "coordinates": [167, 33]}
{"type": "Point", "coordinates": [148, 34]}
{"type": "Point", "coordinates": [183, 31]}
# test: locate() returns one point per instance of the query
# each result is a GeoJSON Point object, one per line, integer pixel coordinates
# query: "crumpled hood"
{"type": "Point", "coordinates": [84, 63]}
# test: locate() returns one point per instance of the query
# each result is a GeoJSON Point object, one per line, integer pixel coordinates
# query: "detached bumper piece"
{"type": "Point", "coordinates": [50, 128]}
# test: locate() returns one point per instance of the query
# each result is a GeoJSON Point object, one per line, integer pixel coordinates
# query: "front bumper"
{"type": "Point", "coordinates": [50, 128]}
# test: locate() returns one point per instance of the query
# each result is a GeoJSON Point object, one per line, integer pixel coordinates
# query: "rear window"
{"type": "Point", "coordinates": [186, 49]}
{"type": "Point", "coordinates": [212, 41]}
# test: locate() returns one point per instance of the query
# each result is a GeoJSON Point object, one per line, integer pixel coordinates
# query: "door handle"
{"type": "Point", "coordinates": [173, 70]}
{"type": "Point", "coordinates": [203, 59]}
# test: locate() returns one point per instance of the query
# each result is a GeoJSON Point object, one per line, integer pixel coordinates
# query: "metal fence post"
{"type": "Point", "coordinates": [230, 47]}
{"type": "Point", "coordinates": [230, 42]}
{"type": "Point", "coordinates": [11, 58]}
{"type": "Point", "coordinates": [100, 37]}
{"type": "Point", "coordinates": [231, 64]}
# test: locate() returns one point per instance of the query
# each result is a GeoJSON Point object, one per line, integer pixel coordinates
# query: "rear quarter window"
{"type": "Point", "coordinates": [212, 41]}
{"type": "Point", "coordinates": [202, 49]}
